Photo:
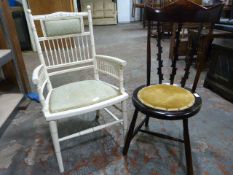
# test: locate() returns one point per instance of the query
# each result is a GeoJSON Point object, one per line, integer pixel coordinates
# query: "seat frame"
{"type": "Point", "coordinates": [110, 66]}
{"type": "Point", "coordinates": [179, 13]}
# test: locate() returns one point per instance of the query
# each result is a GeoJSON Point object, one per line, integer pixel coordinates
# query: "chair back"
{"type": "Point", "coordinates": [179, 13]}
{"type": "Point", "coordinates": [65, 45]}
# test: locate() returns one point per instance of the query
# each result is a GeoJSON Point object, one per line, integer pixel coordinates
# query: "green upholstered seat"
{"type": "Point", "coordinates": [80, 94]}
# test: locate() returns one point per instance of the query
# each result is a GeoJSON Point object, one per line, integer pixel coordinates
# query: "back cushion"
{"type": "Point", "coordinates": [62, 27]}
{"type": "Point", "coordinates": [109, 9]}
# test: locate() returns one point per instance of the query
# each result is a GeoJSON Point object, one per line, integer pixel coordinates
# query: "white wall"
{"type": "Point", "coordinates": [124, 8]}
{"type": "Point", "coordinates": [124, 11]}
{"type": "Point", "coordinates": [137, 13]}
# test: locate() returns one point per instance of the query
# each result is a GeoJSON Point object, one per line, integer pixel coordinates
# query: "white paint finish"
{"type": "Point", "coordinates": [8, 103]}
{"type": "Point", "coordinates": [124, 11]}
{"type": "Point", "coordinates": [64, 56]}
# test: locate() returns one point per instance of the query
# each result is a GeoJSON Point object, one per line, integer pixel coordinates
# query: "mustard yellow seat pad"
{"type": "Point", "coordinates": [166, 97]}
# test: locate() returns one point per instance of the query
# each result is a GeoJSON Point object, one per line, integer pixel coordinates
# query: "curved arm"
{"type": "Point", "coordinates": [113, 59]}
{"type": "Point", "coordinates": [35, 74]}
{"type": "Point", "coordinates": [113, 67]}
{"type": "Point", "coordinates": [40, 79]}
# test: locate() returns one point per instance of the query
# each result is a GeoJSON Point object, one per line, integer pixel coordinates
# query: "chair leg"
{"type": "Point", "coordinates": [124, 113]}
{"type": "Point", "coordinates": [97, 115]}
{"type": "Point", "coordinates": [56, 144]}
{"type": "Point", "coordinates": [133, 11]}
{"type": "Point", "coordinates": [147, 121]}
{"type": "Point", "coordinates": [130, 133]}
{"type": "Point", "coordinates": [144, 19]}
{"type": "Point", "coordinates": [188, 152]}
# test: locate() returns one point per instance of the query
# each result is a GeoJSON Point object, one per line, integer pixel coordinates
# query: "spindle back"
{"type": "Point", "coordinates": [179, 13]}
{"type": "Point", "coordinates": [65, 45]}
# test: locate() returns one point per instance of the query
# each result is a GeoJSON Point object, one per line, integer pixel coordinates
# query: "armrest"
{"type": "Point", "coordinates": [112, 59]}
{"type": "Point", "coordinates": [40, 79]}
{"type": "Point", "coordinates": [35, 74]}
{"type": "Point", "coordinates": [112, 67]}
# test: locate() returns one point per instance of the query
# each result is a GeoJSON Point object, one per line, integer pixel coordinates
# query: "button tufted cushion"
{"type": "Point", "coordinates": [166, 97]}
{"type": "Point", "coordinates": [80, 94]}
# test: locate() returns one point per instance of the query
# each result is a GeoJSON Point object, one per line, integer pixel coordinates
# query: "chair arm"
{"type": "Point", "coordinates": [35, 74]}
{"type": "Point", "coordinates": [110, 66]}
{"type": "Point", "coordinates": [112, 59]}
{"type": "Point", "coordinates": [41, 80]}
{"type": "Point", "coordinates": [113, 67]}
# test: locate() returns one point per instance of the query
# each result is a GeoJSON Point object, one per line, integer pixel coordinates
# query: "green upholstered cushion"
{"type": "Point", "coordinates": [80, 94]}
{"type": "Point", "coordinates": [166, 97]}
{"type": "Point", "coordinates": [62, 27]}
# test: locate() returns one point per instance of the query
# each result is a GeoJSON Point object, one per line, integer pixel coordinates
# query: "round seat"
{"type": "Point", "coordinates": [166, 97]}
{"type": "Point", "coordinates": [166, 102]}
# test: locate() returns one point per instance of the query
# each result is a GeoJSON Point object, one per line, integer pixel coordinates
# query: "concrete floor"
{"type": "Point", "coordinates": [26, 147]}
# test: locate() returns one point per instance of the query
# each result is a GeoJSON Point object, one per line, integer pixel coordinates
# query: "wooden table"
{"type": "Point", "coordinates": [8, 101]}
{"type": "Point", "coordinates": [219, 77]}
{"type": "Point", "coordinates": [205, 43]}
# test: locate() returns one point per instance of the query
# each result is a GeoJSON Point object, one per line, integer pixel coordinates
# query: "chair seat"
{"type": "Point", "coordinates": [80, 94]}
{"type": "Point", "coordinates": [166, 97]}
{"type": "Point", "coordinates": [152, 109]}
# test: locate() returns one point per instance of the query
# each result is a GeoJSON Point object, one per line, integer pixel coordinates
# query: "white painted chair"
{"type": "Point", "coordinates": [65, 47]}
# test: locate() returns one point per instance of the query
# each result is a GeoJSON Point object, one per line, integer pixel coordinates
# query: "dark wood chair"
{"type": "Point", "coordinates": [171, 101]}
{"type": "Point", "coordinates": [141, 5]}
{"type": "Point", "coordinates": [136, 5]}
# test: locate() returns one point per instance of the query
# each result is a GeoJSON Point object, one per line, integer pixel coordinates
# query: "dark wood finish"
{"type": "Point", "coordinates": [14, 42]}
{"type": "Point", "coordinates": [166, 115]}
{"type": "Point", "coordinates": [141, 5]}
{"type": "Point", "coordinates": [163, 136]}
{"type": "Point", "coordinates": [204, 46]}
{"type": "Point", "coordinates": [177, 39]}
{"type": "Point", "coordinates": [179, 12]}
{"type": "Point", "coordinates": [148, 53]}
{"type": "Point", "coordinates": [130, 133]}
{"type": "Point", "coordinates": [188, 152]}
{"type": "Point", "coordinates": [219, 77]}
{"type": "Point", "coordinates": [45, 7]}
{"type": "Point", "coordinates": [21, 27]}
{"type": "Point", "coordinates": [183, 49]}
{"type": "Point", "coordinates": [159, 55]}
{"type": "Point", "coordinates": [8, 69]}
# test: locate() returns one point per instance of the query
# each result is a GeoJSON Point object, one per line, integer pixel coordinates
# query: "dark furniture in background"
{"type": "Point", "coordinates": [11, 41]}
{"type": "Point", "coordinates": [11, 56]}
{"type": "Point", "coordinates": [220, 75]}
{"type": "Point", "coordinates": [141, 4]}
{"type": "Point", "coordinates": [21, 27]}
{"type": "Point", "coordinates": [181, 11]}
{"type": "Point", "coordinates": [203, 51]}
{"type": "Point", "coordinates": [226, 24]}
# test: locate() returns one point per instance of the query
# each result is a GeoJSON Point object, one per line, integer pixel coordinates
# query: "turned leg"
{"type": "Point", "coordinates": [97, 116]}
{"type": "Point", "coordinates": [56, 144]}
{"type": "Point", "coordinates": [147, 121]}
{"type": "Point", "coordinates": [130, 133]}
{"type": "Point", "coordinates": [124, 113]}
{"type": "Point", "coordinates": [144, 19]}
{"type": "Point", "coordinates": [133, 11]}
{"type": "Point", "coordinates": [188, 153]}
